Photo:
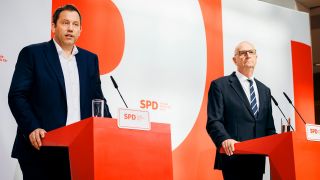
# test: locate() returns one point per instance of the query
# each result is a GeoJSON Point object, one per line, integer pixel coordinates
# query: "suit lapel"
{"type": "Point", "coordinates": [81, 63]}
{"type": "Point", "coordinates": [235, 84]}
{"type": "Point", "coordinates": [54, 61]}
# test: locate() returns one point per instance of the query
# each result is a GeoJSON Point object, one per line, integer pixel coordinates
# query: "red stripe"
{"type": "Point", "coordinates": [302, 83]}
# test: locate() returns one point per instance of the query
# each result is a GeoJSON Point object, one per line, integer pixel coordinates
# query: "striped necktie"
{"type": "Point", "coordinates": [253, 100]}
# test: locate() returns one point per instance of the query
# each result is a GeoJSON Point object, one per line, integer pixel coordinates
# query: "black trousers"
{"type": "Point", "coordinates": [50, 164]}
{"type": "Point", "coordinates": [238, 175]}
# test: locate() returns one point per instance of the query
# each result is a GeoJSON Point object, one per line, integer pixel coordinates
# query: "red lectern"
{"type": "Point", "coordinates": [99, 150]}
{"type": "Point", "coordinates": [291, 155]}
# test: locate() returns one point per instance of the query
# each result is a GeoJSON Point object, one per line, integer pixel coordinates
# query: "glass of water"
{"type": "Point", "coordinates": [97, 108]}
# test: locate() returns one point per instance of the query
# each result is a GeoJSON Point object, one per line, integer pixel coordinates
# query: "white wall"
{"type": "Point", "coordinates": [22, 23]}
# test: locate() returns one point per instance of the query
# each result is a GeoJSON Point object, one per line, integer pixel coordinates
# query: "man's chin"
{"type": "Point", "coordinates": [250, 65]}
{"type": "Point", "coordinates": [69, 42]}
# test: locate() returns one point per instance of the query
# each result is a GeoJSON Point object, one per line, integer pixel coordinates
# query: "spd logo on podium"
{"type": "Point", "coordinates": [313, 132]}
{"type": "Point", "coordinates": [134, 119]}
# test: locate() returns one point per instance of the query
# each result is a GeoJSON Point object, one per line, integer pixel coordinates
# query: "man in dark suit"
{"type": "Point", "coordinates": [53, 85]}
{"type": "Point", "coordinates": [239, 109]}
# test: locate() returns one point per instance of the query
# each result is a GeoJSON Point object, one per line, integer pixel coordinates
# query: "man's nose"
{"type": "Point", "coordinates": [70, 27]}
{"type": "Point", "coordinates": [248, 53]}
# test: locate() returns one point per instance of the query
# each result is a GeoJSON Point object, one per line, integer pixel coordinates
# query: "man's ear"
{"type": "Point", "coordinates": [53, 28]}
{"type": "Point", "coordinates": [234, 60]}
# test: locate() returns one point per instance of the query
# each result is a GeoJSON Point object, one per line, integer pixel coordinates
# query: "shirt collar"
{"type": "Point", "coordinates": [59, 49]}
{"type": "Point", "coordinates": [242, 77]}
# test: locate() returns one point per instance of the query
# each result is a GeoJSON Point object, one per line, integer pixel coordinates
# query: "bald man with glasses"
{"type": "Point", "coordinates": [239, 109]}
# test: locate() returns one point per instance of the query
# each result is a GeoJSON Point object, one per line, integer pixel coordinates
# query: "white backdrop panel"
{"type": "Point", "coordinates": [22, 23]}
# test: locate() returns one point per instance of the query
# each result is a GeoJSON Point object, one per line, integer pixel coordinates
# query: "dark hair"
{"type": "Point", "coordinates": [67, 7]}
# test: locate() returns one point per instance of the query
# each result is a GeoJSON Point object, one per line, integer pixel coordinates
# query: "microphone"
{"type": "Point", "coordinates": [114, 82]}
{"type": "Point", "coordinates": [289, 100]}
{"type": "Point", "coordinates": [116, 86]}
{"type": "Point", "coordinates": [276, 103]}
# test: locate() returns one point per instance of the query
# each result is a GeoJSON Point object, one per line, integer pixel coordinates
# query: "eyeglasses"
{"type": "Point", "coordinates": [246, 52]}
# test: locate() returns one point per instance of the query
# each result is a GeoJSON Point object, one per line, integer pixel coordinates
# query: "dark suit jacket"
{"type": "Point", "coordinates": [37, 95]}
{"type": "Point", "coordinates": [230, 117]}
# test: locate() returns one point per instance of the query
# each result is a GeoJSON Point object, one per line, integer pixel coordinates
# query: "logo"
{"type": "Point", "coordinates": [153, 105]}
{"type": "Point", "coordinates": [313, 132]}
{"type": "Point", "coordinates": [130, 116]}
{"type": "Point", "coordinates": [133, 119]}
{"type": "Point", "coordinates": [2, 58]}
{"type": "Point", "coordinates": [148, 104]}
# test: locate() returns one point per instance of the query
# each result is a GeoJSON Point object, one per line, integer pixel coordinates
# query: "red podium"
{"type": "Point", "coordinates": [291, 155]}
{"type": "Point", "coordinates": [99, 150]}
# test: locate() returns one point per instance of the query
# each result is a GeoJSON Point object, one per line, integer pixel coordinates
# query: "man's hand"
{"type": "Point", "coordinates": [228, 146]}
{"type": "Point", "coordinates": [36, 136]}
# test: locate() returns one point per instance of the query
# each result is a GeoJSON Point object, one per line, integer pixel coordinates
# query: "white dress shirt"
{"type": "Point", "coordinates": [72, 84]}
{"type": "Point", "coordinates": [246, 86]}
